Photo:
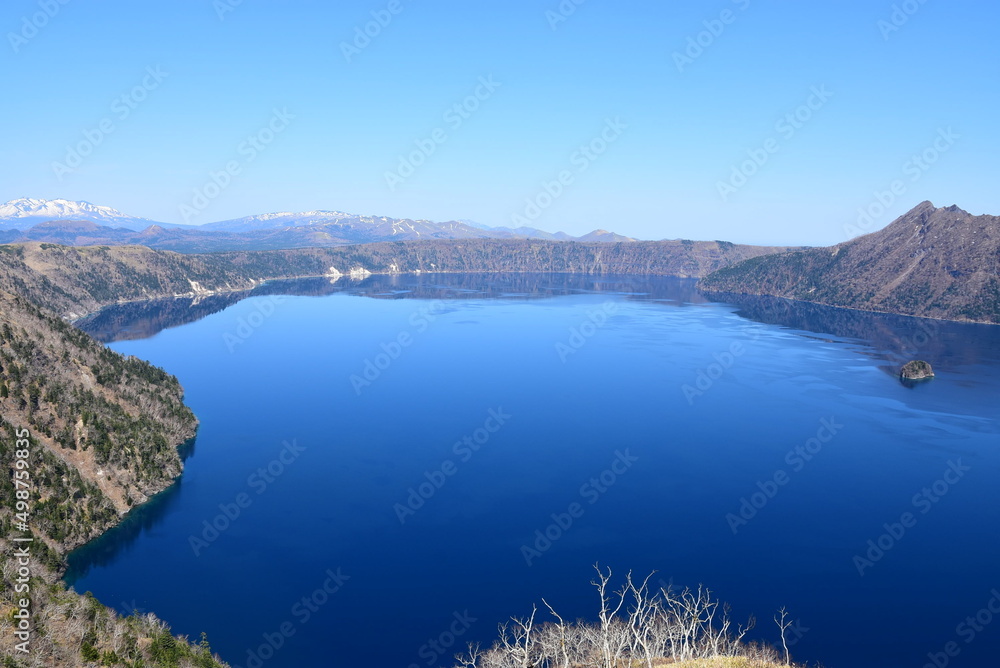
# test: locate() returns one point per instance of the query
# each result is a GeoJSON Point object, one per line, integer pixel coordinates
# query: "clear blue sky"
{"type": "Point", "coordinates": [687, 127]}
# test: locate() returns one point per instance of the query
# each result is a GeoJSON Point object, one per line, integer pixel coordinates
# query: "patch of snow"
{"type": "Point", "coordinates": [359, 272]}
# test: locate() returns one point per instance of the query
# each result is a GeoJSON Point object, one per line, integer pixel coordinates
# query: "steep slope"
{"type": "Point", "coordinates": [97, 434]}
{"type": "Point", "coordinates": [115, 421]}
{"type": "Point", "coordinates": [931, 262]}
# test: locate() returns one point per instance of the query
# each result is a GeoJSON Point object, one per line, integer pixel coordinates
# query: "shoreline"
{"type": "Point", "coordinates": [850, 308]}
{"type": "Point", "coordinates": [278, 279]}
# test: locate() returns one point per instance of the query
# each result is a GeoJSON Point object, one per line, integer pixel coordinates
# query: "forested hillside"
{"type": "Point", "coordinates": [99, 434]}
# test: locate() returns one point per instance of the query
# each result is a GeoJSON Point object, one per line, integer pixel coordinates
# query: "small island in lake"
{"type": "Point", "coordinates": [916, 370]}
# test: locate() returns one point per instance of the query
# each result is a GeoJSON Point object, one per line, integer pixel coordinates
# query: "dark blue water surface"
{"type": "Point", "coordinates": [659, 413]}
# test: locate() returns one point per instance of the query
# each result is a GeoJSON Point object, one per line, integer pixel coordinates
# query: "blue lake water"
{"type": "Point", "coordinates": [755, 447]}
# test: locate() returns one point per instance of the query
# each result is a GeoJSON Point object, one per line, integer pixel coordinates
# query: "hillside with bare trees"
{"type": "Point", "coordinates": [637, 626]}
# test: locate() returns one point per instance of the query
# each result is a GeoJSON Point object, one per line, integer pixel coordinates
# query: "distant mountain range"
{"type": "Point", "coordinates": [84, 224]}
{"type": "Point", "coordinates": [930, 262]}
{"type": "Point", "coordinates": [21, 214]}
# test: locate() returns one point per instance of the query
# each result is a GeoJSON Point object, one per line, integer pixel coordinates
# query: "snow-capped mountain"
{"type": "Point", "coordinates": [354, 228]}
{"type": "Point", "coordinates": [20, 214]}
{"type": "Point", "coordinates": [85, 224]}
{"type": "Point", "coordinates": [268, 221]}
{"type": "Point", "coordinates": [348, 227]}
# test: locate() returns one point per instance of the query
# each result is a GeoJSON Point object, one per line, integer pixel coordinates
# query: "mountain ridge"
{"type": "Point", "coordinates": [75, 280]}
{"type": "Point", "coordinates": [930, 262]}
{"type": "Point", "coordinates": [20, 221]}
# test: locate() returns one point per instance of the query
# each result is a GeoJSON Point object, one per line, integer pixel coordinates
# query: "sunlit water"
{"type": "Point", "coordinates": [388, 519]}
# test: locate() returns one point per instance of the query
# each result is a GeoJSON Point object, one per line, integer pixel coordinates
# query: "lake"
{"type": "Point", "coordinates": [386, 469]}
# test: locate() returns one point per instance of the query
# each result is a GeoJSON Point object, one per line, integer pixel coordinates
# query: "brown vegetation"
{"type": "Point", "coordinates": [102, 433]}
{"type": "Point", "coordinates": [930, 262]}
{"type": "Point", "coordinates": [73, 281]}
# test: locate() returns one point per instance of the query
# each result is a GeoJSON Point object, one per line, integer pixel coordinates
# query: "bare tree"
{"type": "Point", "coordinates": [516, 642]}
{"type": "Point", "coordinates": [472, 657]}
{"type": "Point", "coordinates": [781, 619]}
{"type": "Point", "coordinates": [635, 627]}
{"type": "Point", "coordinates": [642, 621]}
{"type": "Point", "coordinates": [558, 645]}
{"type": "Point", "coordinates": [609, 637]}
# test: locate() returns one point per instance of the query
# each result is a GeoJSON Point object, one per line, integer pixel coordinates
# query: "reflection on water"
{"type": "Point", "coordinates": [112, 544]}
{"type": "Point", "coordinates": [140, 320]}
{"type": "Point", "coordinates": [891, 339]}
